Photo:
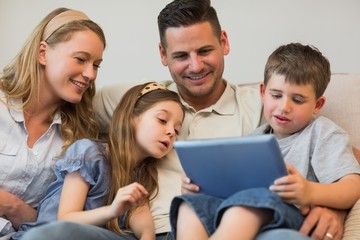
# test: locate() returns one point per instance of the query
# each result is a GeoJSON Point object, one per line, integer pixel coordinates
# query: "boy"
{"type": "Point", "coordinates": [322, 168]}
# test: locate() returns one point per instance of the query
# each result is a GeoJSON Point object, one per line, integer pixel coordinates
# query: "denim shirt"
{"type": "Point", "coordinates": [90, 159]}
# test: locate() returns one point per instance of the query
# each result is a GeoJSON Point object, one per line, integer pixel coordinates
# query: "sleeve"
{"type": "Point", "coordinates": [86, 156]}
{"type": "Point", "coordinates": [332, 158]}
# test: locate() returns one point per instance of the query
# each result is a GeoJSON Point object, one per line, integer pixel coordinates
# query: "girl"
{"type": "Point", "coordinates": [143, 128]}
{"type": "Point", "coordinates": [46, 97]}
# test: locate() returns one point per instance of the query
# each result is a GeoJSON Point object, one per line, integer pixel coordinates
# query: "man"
{"type": "Point", "coordinates": [193, 46]}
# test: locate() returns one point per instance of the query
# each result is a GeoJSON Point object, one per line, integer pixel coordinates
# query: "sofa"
{"type": "Point", "coordinates": [342, 107]}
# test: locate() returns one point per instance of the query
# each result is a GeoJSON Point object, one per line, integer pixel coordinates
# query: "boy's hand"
{"type": "Point", "coordinates": [187, 187]}
{"type": "Point", "coordinates": [293, 188]}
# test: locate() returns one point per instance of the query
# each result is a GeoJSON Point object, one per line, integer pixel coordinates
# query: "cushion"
{"type": "Point", "coordinates": [352, 223]}
{"type": "Point", "coordinates": [343, 105]}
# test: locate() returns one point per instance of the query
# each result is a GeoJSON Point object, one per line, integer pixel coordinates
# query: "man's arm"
{"type": "Point", "coordinates": [15, 210]}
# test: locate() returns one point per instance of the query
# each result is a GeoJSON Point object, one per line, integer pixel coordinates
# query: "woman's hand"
{"type": "Point", "coordinates": [15, 210]}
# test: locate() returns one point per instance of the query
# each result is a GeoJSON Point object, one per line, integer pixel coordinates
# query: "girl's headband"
{"type": "Point", "coordinates": [60, 20]}
{"type": "Point", "coordinates": [151, 87]}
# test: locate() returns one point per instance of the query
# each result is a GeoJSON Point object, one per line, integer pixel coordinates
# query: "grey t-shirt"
{"type": "Point", "coordinates": [321, 152]}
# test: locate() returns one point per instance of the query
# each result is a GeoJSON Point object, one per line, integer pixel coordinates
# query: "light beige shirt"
{"type": "Point", "coordinates": [236, 113]}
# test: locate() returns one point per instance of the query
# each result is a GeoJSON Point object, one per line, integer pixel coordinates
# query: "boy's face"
{"type": "Point", "coordinates": [288, 108]}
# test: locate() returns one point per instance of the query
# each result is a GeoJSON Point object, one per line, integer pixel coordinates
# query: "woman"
{"type": "Point", "coordinates": [46, 97]}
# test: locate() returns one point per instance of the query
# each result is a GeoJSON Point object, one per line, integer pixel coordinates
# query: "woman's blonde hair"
{"type": "Point", "coordinates": [125, 169]}
{"type": "Point", "coordinates": [21, 77]}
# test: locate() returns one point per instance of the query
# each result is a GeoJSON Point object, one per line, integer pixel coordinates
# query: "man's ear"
{"type": "Point", "coordinates": [319, 104]}
{"type": "Point", "coordinates": [162, 51]}
{"type": "Point", "coordinates": [42, 53]}
{"type": "Point", "coordinates": [225, 43]}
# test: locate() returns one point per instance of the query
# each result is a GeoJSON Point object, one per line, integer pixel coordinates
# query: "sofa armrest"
{"type": "Point", "coordinates": [352, 223]}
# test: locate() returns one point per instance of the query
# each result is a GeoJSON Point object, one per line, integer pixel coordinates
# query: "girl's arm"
{"type": "Point", "coordinates": [73, 197]}
{"type": "Point", "coordinates": [295, 189]}
{"type": "Point", "coordinates": [142, 223]}
{"type": "Point", "coordinates": [15, 210]}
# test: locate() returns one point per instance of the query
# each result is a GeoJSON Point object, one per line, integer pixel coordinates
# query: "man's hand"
{"type": "Point", "coordinates": [324, 223]}
{"type": "Point", "coordinates": [187, 187]}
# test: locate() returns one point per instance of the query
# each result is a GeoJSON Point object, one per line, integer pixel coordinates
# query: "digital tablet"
{"type": "Point", "coordinates": [224, 166]}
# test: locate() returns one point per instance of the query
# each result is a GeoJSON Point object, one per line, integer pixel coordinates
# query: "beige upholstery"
{"type": "Point", "coordinates": [343, 107]}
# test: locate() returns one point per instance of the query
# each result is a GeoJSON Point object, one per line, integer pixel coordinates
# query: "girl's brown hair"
{"type": "Point", "coordinates": [125, 169]}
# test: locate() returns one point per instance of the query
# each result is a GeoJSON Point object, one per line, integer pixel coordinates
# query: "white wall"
{"type": "Point", "coordinates": [255, 28]}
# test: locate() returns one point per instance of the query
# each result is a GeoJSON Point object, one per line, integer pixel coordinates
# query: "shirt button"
{"type": "Point", "coordinates": [35, 153]}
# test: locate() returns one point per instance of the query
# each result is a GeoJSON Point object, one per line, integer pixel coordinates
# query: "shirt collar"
{"type": "Point", "coordinates": [18, 115]}
{"type": "Point", "coordinates": [224, 106]}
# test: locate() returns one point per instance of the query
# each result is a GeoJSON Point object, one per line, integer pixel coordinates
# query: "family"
{"type": "Point", "coordinates": [77, 163]}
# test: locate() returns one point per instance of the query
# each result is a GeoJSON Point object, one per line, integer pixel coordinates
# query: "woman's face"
{"type": "Point", "coordinates": [70, 67]}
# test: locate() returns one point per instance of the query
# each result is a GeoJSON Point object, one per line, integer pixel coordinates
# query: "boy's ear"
{"type": "Point", "coordinates": [319, 104]}
{"type": "Point", "coordinates": [262, 91]}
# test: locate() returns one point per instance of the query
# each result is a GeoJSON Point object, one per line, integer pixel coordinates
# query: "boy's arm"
{"type": "Point", "coordinates": [342, 194]}
{"type": "Point", "coordinates": [295, 189]}
{"type": "Point", "coordinates": [142, 223]}
{"type": "Point", "coordinates": [357, 154]}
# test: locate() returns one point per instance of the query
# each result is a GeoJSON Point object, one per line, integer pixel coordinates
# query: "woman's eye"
{"type": "Point", "coordinates": [82, 60]}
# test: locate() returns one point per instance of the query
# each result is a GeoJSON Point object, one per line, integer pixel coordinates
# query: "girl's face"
{"type": "Point", "coordinates": [156, 129]}
{"type": "Point", "coordinates": [70, 67]}
{"type": "Point", "coordinates": [288, 108]}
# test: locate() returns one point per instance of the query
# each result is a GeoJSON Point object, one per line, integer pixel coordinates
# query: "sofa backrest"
{"type": "Point", "coordinates": [343, 105]}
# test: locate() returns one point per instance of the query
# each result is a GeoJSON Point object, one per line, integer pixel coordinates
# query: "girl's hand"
{"type": "Point", "coordinates": [187, 187]}
{"type": "Point", "coordinates": [293, 188]}
{"type": "Point", "coordinates": [127, 197]}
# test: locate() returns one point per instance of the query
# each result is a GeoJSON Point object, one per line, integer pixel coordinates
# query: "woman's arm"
{"type": "Point", "coordinates": [73, 198]}
{"type": "Point", "coordinates": [15, 210]}
{"type": "Point", "coordinates": [142, 223]}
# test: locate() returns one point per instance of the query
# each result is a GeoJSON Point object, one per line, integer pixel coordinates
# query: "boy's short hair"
{"type": "Point", "coordinates": [300, 64]}
{"type": "Point", "coordinates": [183, 13]}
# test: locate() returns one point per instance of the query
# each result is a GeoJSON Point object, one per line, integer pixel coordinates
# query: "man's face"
{"type": "Point", "coordinates": [195, 58]}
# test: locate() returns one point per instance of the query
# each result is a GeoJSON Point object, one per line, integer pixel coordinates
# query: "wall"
{"type": "Point", "coordinates": [255, 28]}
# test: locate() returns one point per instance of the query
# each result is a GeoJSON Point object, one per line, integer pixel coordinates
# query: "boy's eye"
{"type": "Point", "coordinates": [276, 96]}
{"type": "Point", "coordinates": [298, 100]}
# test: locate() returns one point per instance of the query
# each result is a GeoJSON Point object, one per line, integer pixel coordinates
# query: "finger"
{"type": "Point", "coordinates": [309, 222]}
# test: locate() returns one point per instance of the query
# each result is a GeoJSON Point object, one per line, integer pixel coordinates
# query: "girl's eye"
{"type": "Point", "coordinates": [162, 121]}
{"type": "Point", "coordinates": [97, 66]}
